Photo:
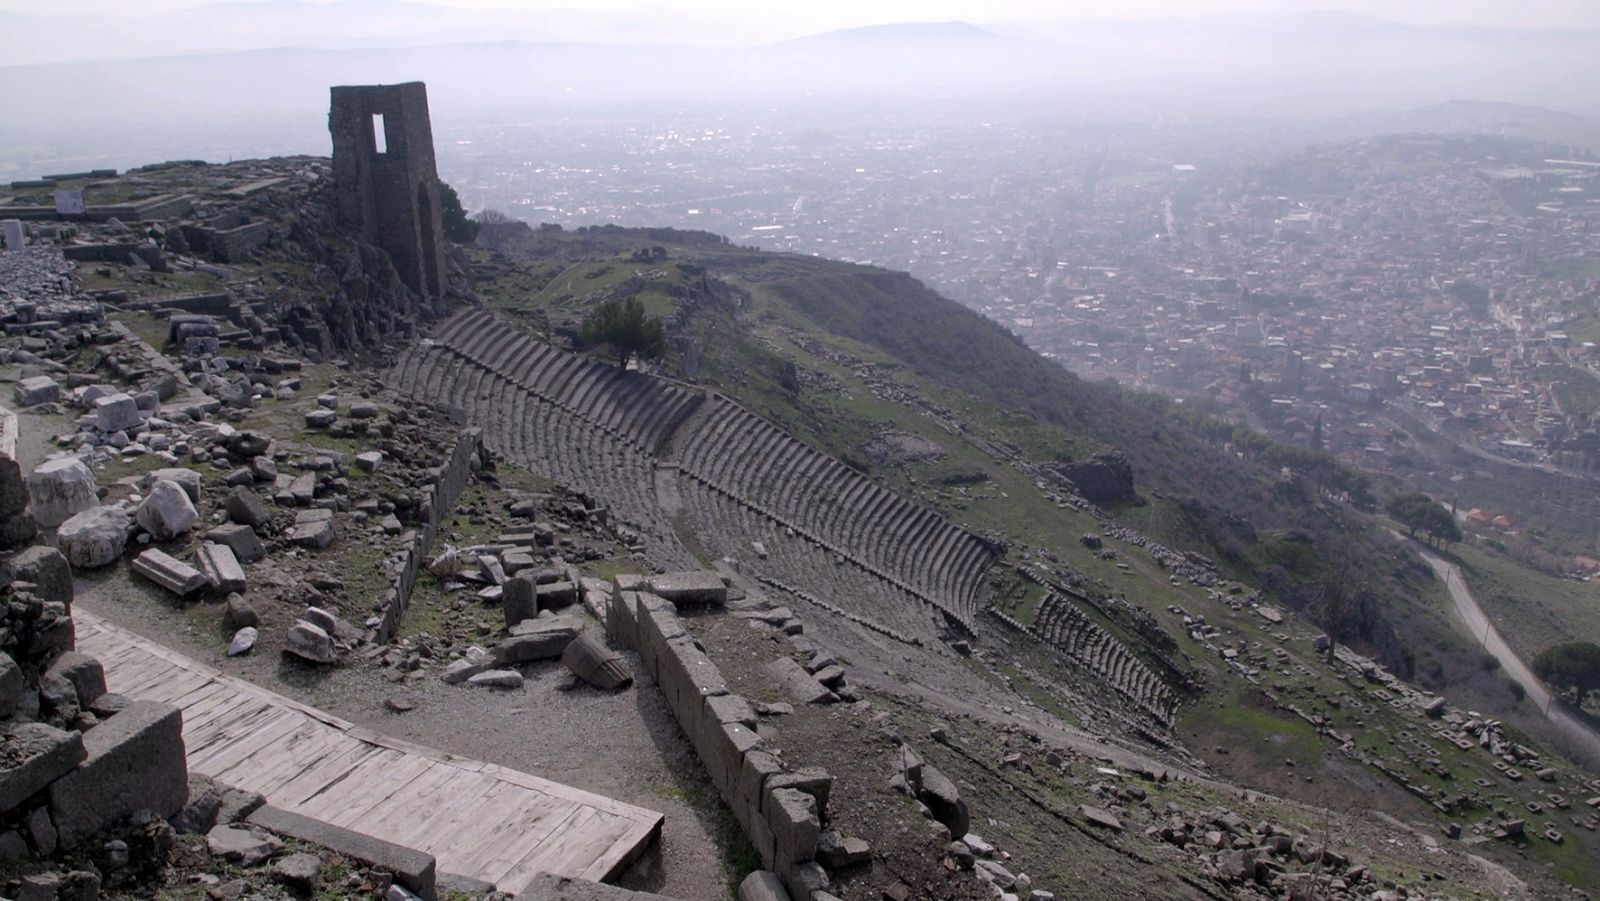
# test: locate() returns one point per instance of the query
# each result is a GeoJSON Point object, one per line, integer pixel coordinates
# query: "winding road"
{"type": "Point", "coordinates": [1580, 733]}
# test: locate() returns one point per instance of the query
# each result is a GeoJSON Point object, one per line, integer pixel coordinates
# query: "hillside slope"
{"type": "Point", "coordinates": [1192, 565]}
{"type": "Point", "coordinates": [1078, 604]}
{"type": "Point", "coordinates": [1248, 504]}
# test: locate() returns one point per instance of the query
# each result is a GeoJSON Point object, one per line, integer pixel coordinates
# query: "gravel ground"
{"type": "Point", "coordinates": [624, 745]}
{"type": "Point", "coordinates": [37, 274]}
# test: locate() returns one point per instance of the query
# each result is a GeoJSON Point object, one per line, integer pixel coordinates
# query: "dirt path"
{"type": "Point", "coordinates": [1478, 624]}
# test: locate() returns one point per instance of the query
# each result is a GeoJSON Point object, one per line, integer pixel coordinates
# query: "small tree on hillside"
{"type": "Point", "coordinates": [1574, 667]}
{"type": "Point", "coordinates": [457, 226]}
{"type": "Point", "coordinates": [1336, 594]}
{"type": "Point", "coordinates": [1418, 512]}
{"type": "Point", "coordinates": [622, 324]}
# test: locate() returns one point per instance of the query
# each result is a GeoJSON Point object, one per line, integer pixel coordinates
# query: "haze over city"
{"type": "Point", "coordinates": [640, 450]}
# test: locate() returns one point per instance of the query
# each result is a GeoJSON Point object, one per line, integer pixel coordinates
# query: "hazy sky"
{"type": "Point", "coordinates": [841, 13]}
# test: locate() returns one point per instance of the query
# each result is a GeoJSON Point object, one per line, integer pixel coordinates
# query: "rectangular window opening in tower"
{"type": "Point", "coordinates": [380, 139]}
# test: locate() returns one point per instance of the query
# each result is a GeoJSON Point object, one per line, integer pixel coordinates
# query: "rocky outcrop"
{"type": "Point", "coordinates": [75, 761]}
{"type": "Point", "coordinates": [1102, 479]}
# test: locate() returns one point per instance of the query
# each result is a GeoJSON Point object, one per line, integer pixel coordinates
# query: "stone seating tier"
{"type": "Point", "coordinates": [1062, 625]}
{"type": "Point", "coordinates": [602, 429]}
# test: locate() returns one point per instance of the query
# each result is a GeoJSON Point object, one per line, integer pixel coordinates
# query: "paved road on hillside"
{"type": "Point", "coordinates": [1478, 624]}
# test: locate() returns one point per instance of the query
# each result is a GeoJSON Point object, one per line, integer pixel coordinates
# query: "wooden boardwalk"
{"type": "Point", "coordinates": [477, 819]}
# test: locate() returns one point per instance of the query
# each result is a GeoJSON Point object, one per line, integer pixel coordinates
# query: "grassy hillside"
{"type": "Point", "coordinates": [842, 354]}
{"type": "Point", "coordinates": [950, 409]}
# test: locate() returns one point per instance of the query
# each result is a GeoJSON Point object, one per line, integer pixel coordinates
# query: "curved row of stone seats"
{"type": "Point", "coordinates": [838, 611]}
{"type": "Point", "coordinates": [486, 344]}
{"type": "Point", "coordinates": [753, 459]}
{"type": "Point", "coordinates": [729, 527]}
{"type": "Point", "coordinates": [1111, 706]}
{"type": "Point", "coordinates": [909, 546]}
{"type": "Point", "coordinates": [529, 430]}
{"type": "Point", "coordinates": [404, 370]}
{"type": "Point", "coordinates": [796, 530]}
{"type": "Point", "coordinates": [1060, 624]}
{"type": "Point", "coordinates": [1097, 649]}
{"type": "Point", "coordinates": [416, 372]}
{"type": "Point", "coordinates": [630, 405]}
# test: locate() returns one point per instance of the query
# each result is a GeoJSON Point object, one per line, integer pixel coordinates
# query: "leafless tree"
{"type": "Point", "coordinates": [1336, 594]}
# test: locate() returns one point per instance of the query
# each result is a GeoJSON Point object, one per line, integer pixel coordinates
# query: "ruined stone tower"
{"type": "Point", "coordinates": [385, 179]}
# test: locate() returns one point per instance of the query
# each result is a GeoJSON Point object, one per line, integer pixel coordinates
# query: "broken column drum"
{"type": "Point", "coordinates": [384, 176]}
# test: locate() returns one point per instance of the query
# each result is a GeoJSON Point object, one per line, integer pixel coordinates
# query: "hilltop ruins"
{"type": "Point", "coordinates": [387, 593]}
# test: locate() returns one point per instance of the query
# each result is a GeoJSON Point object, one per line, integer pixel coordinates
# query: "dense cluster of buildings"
{"type": "Point", "coordinates": [1323, 296]}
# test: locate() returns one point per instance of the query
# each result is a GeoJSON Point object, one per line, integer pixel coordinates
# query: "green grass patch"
{"type": "Point", "coordinates": [1576, 389]}
{"type": "Point", "coordinates": [1532, 610]}
{"type": "Point", "coordinates": [1025, 685]}
{"type": "Point", "coordinates": [428, 611]}
{"type": "Point", "coordinates": [1584, 328]}
{"type": "Point", "coordinates": [150, 329]}
{"type": "Point", "coordinates": [1287, 735]}
{"type": "Point", "coordinates": [611, 567]}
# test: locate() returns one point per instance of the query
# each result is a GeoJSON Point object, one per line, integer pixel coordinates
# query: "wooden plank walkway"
{"type": "Point", "coordinates": [478, 819]}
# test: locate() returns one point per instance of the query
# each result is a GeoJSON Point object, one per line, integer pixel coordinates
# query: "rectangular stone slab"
{"type": "Point", "coordinates": [314, 528]}
{"type": "Point", "coordinates": [239, 538]}
{"type": "Point", "coordinates": [222, 570]}
{"type": "Point", "coordinates": [536, 639]}
{"type": "Point", "coordinates": [411, 868]}
{"type": "Point", "coordinates": [555, 595]}
{"type": "Point", "coordinates": [169, 572]}
{"type": "Point", "coordinates": [135, 762]}
{"type": "Point", "coordinates": [44, 754]}
{"type": "Point", "coordinates": [691, 589]}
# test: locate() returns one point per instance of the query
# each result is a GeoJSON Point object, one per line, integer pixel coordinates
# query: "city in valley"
{"type": "Point", "coordinates": [1396, 300]}
{"type": "Point", "coordinates": [923, 450]}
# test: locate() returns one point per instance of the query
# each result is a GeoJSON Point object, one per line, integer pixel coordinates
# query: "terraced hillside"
{"type": "Point", "coordinates": [729, 451]}
{"type": "Point", "coordinates": [587, 425]}
{"type": "Point", "coordinates": [1177, 615]}
{"type": "Point", "coordinates": [687, 469]}
{"type": "Point", "coordinates": [1060, 624]}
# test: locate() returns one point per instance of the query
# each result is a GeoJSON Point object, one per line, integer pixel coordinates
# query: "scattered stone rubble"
{"type": "Point", "coordinates": [218, 222]}
{"type": "Point", "coordinates": [82, 761]}
{"type": "Point", "coordinates": [527, 571]}
{"type": "Point", "coordinates": [132, 405]}
{"type": "Point", "coordinates": [80, 768]}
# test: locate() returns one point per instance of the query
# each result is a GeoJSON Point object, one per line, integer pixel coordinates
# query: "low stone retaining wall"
{"type": "Point", "coordinates": [780, 810]}
{"type": "Point", "coordinates": [439, 499]}
{"type": "Point", "coordinates": [165, 206]}
{"type": "Point", "coordinates": [411, 868]}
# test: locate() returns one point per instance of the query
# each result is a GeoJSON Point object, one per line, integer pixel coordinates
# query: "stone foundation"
{"type": "Point", "coordinates": [781, 811]}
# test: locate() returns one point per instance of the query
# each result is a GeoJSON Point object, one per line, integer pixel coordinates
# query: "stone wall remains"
{"type": "Point", "coordinates": [438, 500]}
{"type": "Point", "coordinates": [389, 189]}
{"type": "Point", "coordinates": [780, 810]}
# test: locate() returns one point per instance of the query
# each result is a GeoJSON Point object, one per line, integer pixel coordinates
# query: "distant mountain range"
{"type": "Point", "coordinates": [35, 38]}
{"type": "Point", "coordinates": [250, 78]}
